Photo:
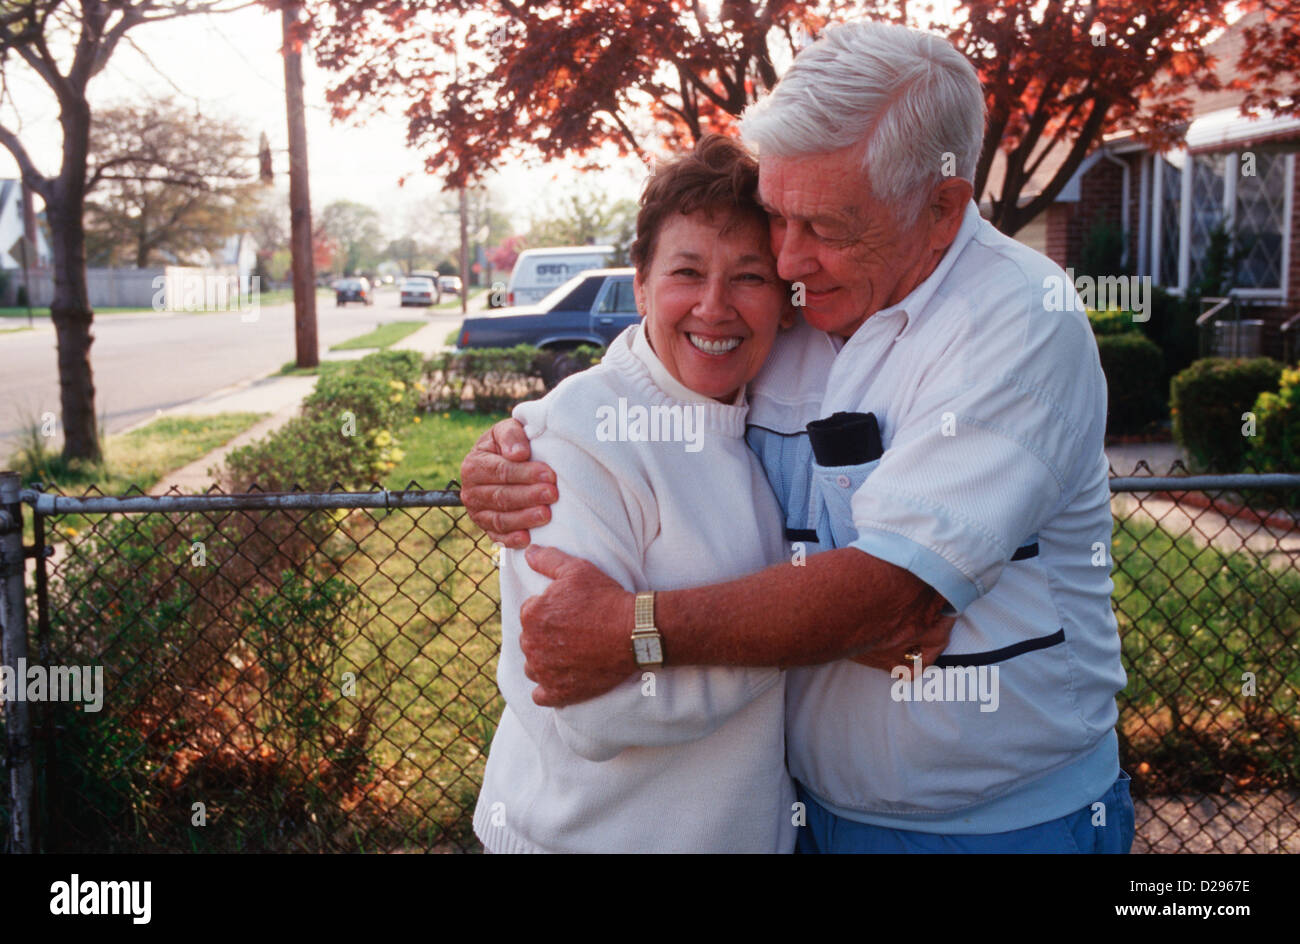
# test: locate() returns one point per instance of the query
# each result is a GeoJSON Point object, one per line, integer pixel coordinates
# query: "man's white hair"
{"type": "Point", "coordinates": [915, 97]}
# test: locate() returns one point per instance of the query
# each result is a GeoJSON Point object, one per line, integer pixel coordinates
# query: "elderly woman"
{"type": "Point", "coordinates": [658, 487]}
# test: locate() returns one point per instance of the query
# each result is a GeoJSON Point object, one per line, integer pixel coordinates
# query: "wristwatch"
{"type": "Point", "coordinates": [647, 644]}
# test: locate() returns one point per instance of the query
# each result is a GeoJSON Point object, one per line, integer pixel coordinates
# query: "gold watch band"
{"type": "Point", "coordinates": [644, 610]}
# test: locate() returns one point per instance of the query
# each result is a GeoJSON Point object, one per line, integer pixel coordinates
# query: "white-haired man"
{"type": "Point", "coordinates": [990, 501]}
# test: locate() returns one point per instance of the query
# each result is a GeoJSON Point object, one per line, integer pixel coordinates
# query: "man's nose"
{"type": "Point", "coordinates": [796, 256]}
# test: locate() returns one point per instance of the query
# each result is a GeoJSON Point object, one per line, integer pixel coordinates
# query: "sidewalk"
{"type": "Point", "coordinates": [281, 396]}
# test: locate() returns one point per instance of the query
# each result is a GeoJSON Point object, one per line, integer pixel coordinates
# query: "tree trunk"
{"type": "Point", "coordinates": [70, 311]}
{"type": "Point", "coordinates": [70, 308]}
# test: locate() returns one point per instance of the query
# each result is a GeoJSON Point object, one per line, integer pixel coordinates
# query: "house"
{"type": "Point", "coordinates": [1235, 171]}
{"type": "Point", "coordinates": [15, 219]}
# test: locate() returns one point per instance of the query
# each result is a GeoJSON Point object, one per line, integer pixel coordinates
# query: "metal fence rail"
{"type": "Point", "coordinates": [317, 671]}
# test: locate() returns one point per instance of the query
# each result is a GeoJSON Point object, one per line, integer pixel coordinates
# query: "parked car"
{"type": "Point", "coordinates": [538, 272]}
{"type": "Point", "coordinates": [450, 283]}
{"type": "Point", "coordinates": [419, 291]}
{"type": "Point", "coordinates": [433, 276]}
{"type": "Point", "coordinates": [591, 308]}
{"type": "Point", "coordinates": [353, 290]}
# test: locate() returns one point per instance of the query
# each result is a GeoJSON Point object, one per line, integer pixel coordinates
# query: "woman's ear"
{"type": "Point", "coordinates": [638, 290]}
{"type": "Point", "coordinates": [788, 312]}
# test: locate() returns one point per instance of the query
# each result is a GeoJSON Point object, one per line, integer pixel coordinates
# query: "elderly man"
{"type": "Point", "coordinates": [990, 501]}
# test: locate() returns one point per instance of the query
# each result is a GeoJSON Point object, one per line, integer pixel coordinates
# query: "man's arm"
{"type": "Point", "coordinates": [838, 604]}
{"type": "Point", "coordinates": [503, 492]}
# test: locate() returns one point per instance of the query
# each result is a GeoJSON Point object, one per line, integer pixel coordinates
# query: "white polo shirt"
{"type": "Point", "coordinates": [993, 490]}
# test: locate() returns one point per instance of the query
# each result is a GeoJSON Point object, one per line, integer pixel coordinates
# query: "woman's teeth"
{"type": "Point", "coordinates": [720, 346]}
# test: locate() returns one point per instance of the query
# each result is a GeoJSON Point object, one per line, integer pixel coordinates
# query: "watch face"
{"type": "Point", "coordinates": [647, 650]}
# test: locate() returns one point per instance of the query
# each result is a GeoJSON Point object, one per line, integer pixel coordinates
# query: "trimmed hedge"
{"type": "Point", "coordinates": [1134, 368]}
{"type": "Point", "coordinates": [495, 380]}
{"type": "Point", "coordinates": [1108, 323]}
{"type": "Point", "coordinates": [1275, 447]}
{"type": "Point", "coordinates": [344, 435]}
{"type": "Point", "coordinates": [1208, 400]}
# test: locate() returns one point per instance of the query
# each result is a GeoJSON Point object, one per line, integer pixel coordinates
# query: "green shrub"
{"type": "Point", "coordinates": [345, 434]}
{"type": "Point", "coordinates": [1108, 323]}
{"type": "Point", "coordinates": [1103, 250]}
{"type": "Point", "coordinates": [1275, 447]}
{"type": "Point", "coordinates": [1207, 402]}
{"type": "Point", "coordinates": [1171, 324]}
{"type": "Point", "coordinates": [220, 676]}
{"type": "Point", "coordinates": [495, 380]}
{"type": "Point", "coordinates": [1134, 368]}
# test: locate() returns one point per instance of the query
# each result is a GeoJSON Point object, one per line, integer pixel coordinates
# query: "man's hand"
{"type": "Point", "coordinates": [503, 492]}
{"type": "Point", "coordinates": [577, 636]}
{"type": "Point", "coordinates": [928, 635]}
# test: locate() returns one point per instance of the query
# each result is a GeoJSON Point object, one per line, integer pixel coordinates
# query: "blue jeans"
{"type": "Point", "coordinates": [1073, 833]}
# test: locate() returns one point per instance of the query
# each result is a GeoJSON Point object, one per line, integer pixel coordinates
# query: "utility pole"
{"type": "Point", "coordinates": [464, 251]}
{"type": "Point", "coordinates": [304, 268]}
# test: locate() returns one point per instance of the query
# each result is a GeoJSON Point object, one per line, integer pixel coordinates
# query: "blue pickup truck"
{"type": "Point", "coordinates": [591, 308]}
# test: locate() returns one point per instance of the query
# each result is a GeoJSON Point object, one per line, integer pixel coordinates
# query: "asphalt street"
{"type": "Point", "coordinates": [150, 362]}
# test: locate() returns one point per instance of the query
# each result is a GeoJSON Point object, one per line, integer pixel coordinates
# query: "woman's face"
{"type": "Point", "coordinates": [712, 301]}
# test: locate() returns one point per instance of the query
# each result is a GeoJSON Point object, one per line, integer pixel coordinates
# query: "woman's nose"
{"type": "Point", "coordinates": [715, 303]}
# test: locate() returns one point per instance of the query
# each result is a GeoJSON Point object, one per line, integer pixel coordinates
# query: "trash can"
{"type": "Point", "coordinates": [1238, 338]}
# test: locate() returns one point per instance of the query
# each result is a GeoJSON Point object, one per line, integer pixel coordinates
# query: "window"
{"type": "Point", "coordinates": [619, 299]}
{"type": "Point", "coordinates": [1260, 220]}
{"type": "Point", "coordinates": [1208, 173]}
{"type": "Point", "coordinates": [1168, 211]}
{"type": "Point", "coordinates": [1246, 192]}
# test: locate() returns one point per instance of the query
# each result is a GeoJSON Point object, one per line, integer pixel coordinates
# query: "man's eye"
{"type": "Point", "coordinates": [752, 277]}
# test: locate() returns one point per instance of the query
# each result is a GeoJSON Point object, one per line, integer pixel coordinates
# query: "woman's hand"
{"type": "Point", "coordinates": [577, 636]}
{"type": "Point", "coordinates": [503, 492]}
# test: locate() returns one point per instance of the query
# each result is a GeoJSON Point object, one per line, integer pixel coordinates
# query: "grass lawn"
{"type": "Point", "coordinates": [381, 337]}
{"type": "Point", "coordinates": [453, 303]}
{"type": "Point", "coordinates": [1193, 622]}
{"type": "Point", "coordinates": [140, 457]}
{"type": "Point", "coordinates": [435, 446]}
{"type": "Point", "coordinates": [14, 330]}
{"type": "Point", "coordinates": [45, 312]}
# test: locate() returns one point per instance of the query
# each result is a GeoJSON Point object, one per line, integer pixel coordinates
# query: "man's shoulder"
{"type": "Point", "coordinates": [1004, 286]}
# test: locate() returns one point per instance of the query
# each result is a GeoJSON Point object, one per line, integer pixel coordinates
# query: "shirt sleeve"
{"type": "Point", "coordinates": [1004, 426]}
{"type": "Point", "coordinates": [602, 518]}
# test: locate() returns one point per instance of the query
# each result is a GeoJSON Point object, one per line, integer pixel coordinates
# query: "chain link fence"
{"type": "Point", "coordinates": [316, 672]}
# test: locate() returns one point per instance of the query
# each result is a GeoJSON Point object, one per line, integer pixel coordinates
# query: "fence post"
{"type": "Point", "coordinates": [13, 653]}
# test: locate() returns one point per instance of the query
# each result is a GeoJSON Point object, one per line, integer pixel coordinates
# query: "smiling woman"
{"type": "Point", "coordinates": [658, 488]}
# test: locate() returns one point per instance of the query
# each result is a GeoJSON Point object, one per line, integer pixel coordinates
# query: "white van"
{"type": "Point", "coordinates": [537, 271]}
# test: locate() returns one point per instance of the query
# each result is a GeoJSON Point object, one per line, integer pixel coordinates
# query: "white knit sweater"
{"type": "Point", "coordinates": [699, 765]}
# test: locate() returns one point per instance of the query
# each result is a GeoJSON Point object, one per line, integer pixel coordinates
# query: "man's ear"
{"type": "Point", "coordinates": [947, 210]}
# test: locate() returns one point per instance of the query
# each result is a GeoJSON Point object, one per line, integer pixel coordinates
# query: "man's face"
{"type": "Point", "coordinates": [829, 233]}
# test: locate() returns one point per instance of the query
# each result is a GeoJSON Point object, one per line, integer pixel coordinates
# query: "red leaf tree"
{"type": "Point", "coordinates": [481, 82]}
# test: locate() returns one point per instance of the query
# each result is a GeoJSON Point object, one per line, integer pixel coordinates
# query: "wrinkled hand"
{"type": "Point", "coordinates": [577, 636]}
{"type": "Point", "coordinates": [922, 627]}
{"type": "Point", "coordinates": [504, 493]}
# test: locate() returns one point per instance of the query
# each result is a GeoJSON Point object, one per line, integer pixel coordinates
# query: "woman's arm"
{"type": "Point", "coordinates": [603, 516]}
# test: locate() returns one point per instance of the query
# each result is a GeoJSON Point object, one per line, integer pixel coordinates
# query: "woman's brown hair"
{"type": "Point", "coordinates": [719, 177]}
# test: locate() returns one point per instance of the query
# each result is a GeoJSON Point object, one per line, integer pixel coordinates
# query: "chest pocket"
{"type": "Point", "coordinates": [846, 448]}
{"type": "Point", "coordinates": [832, 493]}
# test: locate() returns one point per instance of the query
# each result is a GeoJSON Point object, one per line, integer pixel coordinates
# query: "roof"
{"type": "Point", "coordinates": [1226, 49]}
{"type": "Point", "coordinates": [566, 250]}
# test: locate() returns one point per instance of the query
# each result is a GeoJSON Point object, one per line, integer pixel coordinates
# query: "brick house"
{"type": "Point", "coordinates": [1231, 170]}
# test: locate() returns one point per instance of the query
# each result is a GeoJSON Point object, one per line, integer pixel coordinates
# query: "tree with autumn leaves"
{"type": "Point", "coordinates": [482, 82]}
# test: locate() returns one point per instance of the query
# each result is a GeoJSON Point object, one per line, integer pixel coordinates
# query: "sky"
{"type": "Point", "coordinates": [230, 65]}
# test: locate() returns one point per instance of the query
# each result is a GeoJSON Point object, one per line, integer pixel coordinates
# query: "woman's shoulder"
{"type": "Point", "coordinates": [573, 409]}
